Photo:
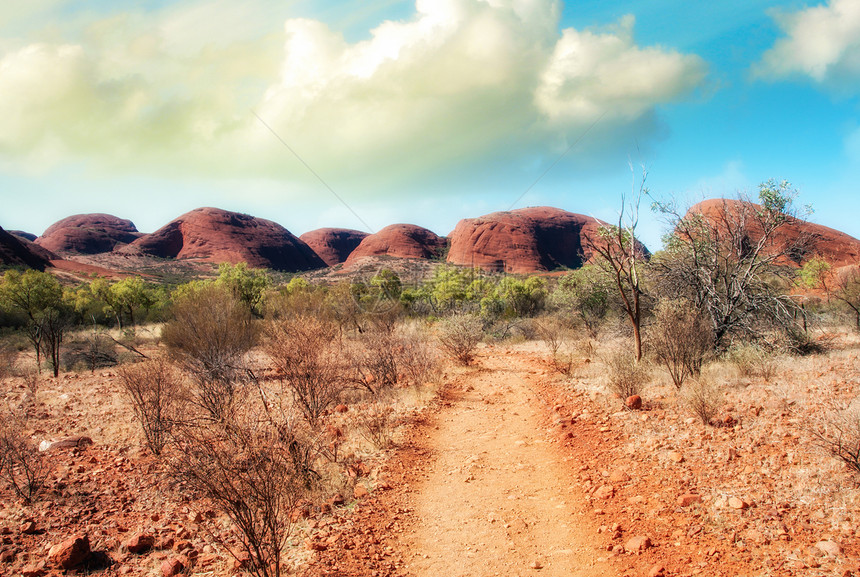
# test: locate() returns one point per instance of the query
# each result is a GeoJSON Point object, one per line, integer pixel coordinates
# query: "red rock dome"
{"type": "Point", "coordinates": [333, 245]}
{"type": "Point", "coordinates": [400, 240]}
{"type": "Point", "coordinates": [88, 234]}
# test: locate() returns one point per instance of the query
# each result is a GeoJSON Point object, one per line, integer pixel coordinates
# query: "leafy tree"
{"type": "Point", "coordinates": [522, 297]}
{"type": "Point", "coordinates": [39, 297]}
{"type": "Point", "coordinates": [727, 262]}
{"type": "Point", "coordinates": [587, 292]}
{"type": "Point", "coordinates": [248, 284]}
{"type": "Point", "coordinates": [813, 274]}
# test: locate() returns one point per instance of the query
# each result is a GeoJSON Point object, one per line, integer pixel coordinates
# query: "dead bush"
{"type": "Point", "coordinates": [418, 359]}
{"type": "Point", "coordinates": [624, 376]}
{"type": "Point", "coordinates": [680, 339]}
{"type": "Point", "coordinates": [247, 470]}
{"type": "Point", "coordinates": [389, 356]}
{"type": "Point", "coordinates": [837, 431]}
{"type": "Point", "coordinates": [209, 334]}
{"type": "Point", "coordinates": [703, 398]}
{"type": "Point", "coordinates": [554, 335]}
{"type": "Point", "coordinates": [375, 421]}
{"type": "Point", "coordinates": [310, 357]}
{"type": "Point", "coordinates": [154, 390]}
{"type": "Point", "coordinates": [22, 466]}
{"type": "Point", "coordinates": [752, 360]}
{"type": "Point", "coordinates": [459, 336]}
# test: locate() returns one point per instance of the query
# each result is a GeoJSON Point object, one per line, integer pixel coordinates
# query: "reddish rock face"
{"type": "Point", "coordinates": [526, 240]}
{"type": "Point", "coordinates": [216, 235]}
{"type": "Point", "coordinates": [88, 234]}
{"type": "Point", "coordinates": [15, 252]}
{"type": "Point", "coordinates": [333, 245]}
{"type": "Point", "coordinates": [835, 247]}
{"type": "Point", "coordinates": [400, 240]}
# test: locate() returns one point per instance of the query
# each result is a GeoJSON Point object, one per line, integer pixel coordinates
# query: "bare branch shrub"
{"type": "Point", "coordinates": [703, 398]}
{"type": "Point", "coordinates": [681, 339]}
{"type": "Point", "coordinates": [208, 336]}
{"type": "Point", "coordinates": [838, 432]}
{"type": "Point", "coordinates": [553, 334]}
{"type": "Point", "coordinates": [418, 358]}
{"type": "Point", "coordinates": [248, 471]}
{"type": "Point", "coordinates": [154, 389]}
{"type": "Point", "coordinates": [752, 360]}
{"type": "Point", "coordinates": [375, 422]}
{"type": "Point", "coordinates": [22, 466]}
{"type": "Point", "coordinates": [309, 355]}
{"type": "Point", "coordinates": [624, 376]}
{"type": "Point", "coordinates": [386, 356]}
{"type": "Point", "coordinates": [459, 335]}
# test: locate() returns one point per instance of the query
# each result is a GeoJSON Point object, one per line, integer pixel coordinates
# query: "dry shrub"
{"type": "Point", "coordinates": [389, 356]}
{"type": "Point", "coordinates": [22, 466]}
{"type": "Point", "coordinates": [553, 333]}
{"type": "Point", "coordinates": [375, 423]}
{"type": "Point", "coordinates": [418, 358]}
{"type": "Point", "coordinates": [247, 469]}
{"type": "Point", "coordinates": [7, 359]}
{"type": "Point", "coordinates": [209, 335]}
{"type": "Point", "coordinates": [681, 339]}
{"type": "Point", "coordinates": [752, 360]}
{"type": "Point", "coordinates": [459, 336]}
{"type": "Point", "coordinates": [624, 376]}
{"type": "Point", "coordinates": [838, 432]}
{"type": "Point", "coordinates": [702, 397]}
{"type": "Point", "coordinates": [154, 389]}
{"type": "Point", "coordinates": [310, 357]}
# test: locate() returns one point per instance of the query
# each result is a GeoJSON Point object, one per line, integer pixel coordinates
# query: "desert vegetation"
{"type": "Point", "coordinates": [256, 408]}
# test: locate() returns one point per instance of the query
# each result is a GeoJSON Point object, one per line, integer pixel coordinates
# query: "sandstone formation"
{"type": "Point", "coordinates": [809, 240]}
{"type": "Point", "coordinates": [23, 235]}
{"type": "Point", "coordinates": [215, 235]}
{"type": "Point", "coordinates": [333, 245]}
{"type": "Point", "coordinates": [400, 240]}
{"type": "Point", "coordinates": [525, 240]}
{"type": "Point", "coordinates": [88, 234]}
{"type": "Point", "coordinates": [14, 252]}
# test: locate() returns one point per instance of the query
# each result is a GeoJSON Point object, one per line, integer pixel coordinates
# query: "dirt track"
{"type": "Point", "coordinates": [496, 499]}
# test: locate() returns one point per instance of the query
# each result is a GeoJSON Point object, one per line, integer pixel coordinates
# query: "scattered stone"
{"type": "Point", "coordinates": [619, 476]}
{"type": "Point", "coordinates": [174, 566]}
{"type": "Point", "coordinates": [336, 501]}
{"type": "Point", "coordinates": [688, 499]}
{"type": "Point", "coordinates": [7, 556]}
{"type": "Point", "coordinates": [312, 545]}
{"type": "Point", "coordinates": [829, 548]}
{"type": "Point", "coordinates": [676, 457]}
{"type": "Point", "coordinates": [28, 527]}
{"type": "Point", "coordinates": [657, 571]}
{"type": "Point", "coordinates": [70, 553]}
{"type": "Point", "coordinates": [341, 409]}
{"type": "Point", "coordinates": [536, 564]}
{"type": "Point", "coordinates": [738, 503]}
{"type": "Point", "coordinates": [605, 492]}
{"type": "Point", "coordinates": [33, 570]}
{"type": "Point", "coordinates": [633, 402]}
{"type": "Point", "coordinates": [140, 543]}
{"type": "Point", "coordinates": [67, 443]}
{"type": "Point", "coordinates": [360, 492]}
{"type": "Point", "coordinates": [637, 544]}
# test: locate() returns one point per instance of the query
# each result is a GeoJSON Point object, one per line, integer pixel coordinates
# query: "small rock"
{"type": "Point", "coordinates": [536, 564]}
{"type": "Point", "coordinates": [312, 545]}
{"type": "Point", "coordinates": [657, 571]}
{"type": "Point", "coordinates": [619, 476]}
{"type": "Point", "coordinates": [67, 443]}
{"type": "Point", "coordinates": [140, 543]}
{"type": "Point", "coordinates": [28, 527]}
{"type": "Point", "coordinates": [341, 409]}
{"type": "Point", "coordinates": [738, 503]}
{"type": "Point", "coordinates": [829, 548]}
{"type": "Point", "coordinates": [174, 566]}
{"type": "Point", "coordinates": [676, 457]}
{"type": "Point", "coordinates": [7, 556]}
{"type": "Point", "coordinates": [605, 492]}
{"type": "Point", "coordinates": [688, 499]}
{"type": "Point", "coordinates": [336, 501]}
{"type": "Point", "coordinates": [33, 570]}
{"type": "Point", "coordinates": [360, 492]}
{"type": "Point", "coordinates": [633, 402]}
{"type": "Point", "coordinates": [637, 544]}
{"type": "Point", "coordinates": [70, 553]}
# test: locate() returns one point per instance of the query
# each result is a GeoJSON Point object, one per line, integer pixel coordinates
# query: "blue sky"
{"type": "Point", "coordinates": [423, 111]}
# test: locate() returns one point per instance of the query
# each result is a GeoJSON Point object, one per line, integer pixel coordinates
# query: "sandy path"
{"type": "Point", "coordinates": [496, 498]}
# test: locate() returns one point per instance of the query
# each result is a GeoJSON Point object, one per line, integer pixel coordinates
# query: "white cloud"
{"type": "Point", "coordinates": [821, 42]}
{"type": "Point", "coordinates": [458, 82]}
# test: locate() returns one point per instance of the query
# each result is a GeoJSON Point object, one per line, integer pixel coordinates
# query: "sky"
{"type": "Point", "coordinates": [364, 113]}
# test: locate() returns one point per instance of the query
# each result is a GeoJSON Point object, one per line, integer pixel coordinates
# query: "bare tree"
{"type": "Point", "coordinates": [846, 289]}
{"type": "Point", "coordinates": [153, 387]}
{"type": "Point", "coordinates": [621, 255]}
{"type": "Point", "coordinates": [727, 258]}
{"type": "Point", "coordinates": [681, 338]}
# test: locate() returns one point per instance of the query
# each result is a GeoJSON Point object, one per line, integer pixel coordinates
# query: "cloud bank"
{"type": "Point", "coordinates": [460, 81]}
{"type": "Point", "coordinates": [821, 43]}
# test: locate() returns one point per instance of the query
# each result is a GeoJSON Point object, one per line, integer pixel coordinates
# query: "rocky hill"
{"type": "Point", "coordinates": [525, 240]}
{"type": "Point", "coordinates": [400, 240]}
{"type": "Point", "coordinates": [14, 252]}
{"type": "Point", "coordinates": [88, 234]}
{"type": "Point", "coordinates": [333, 245]}
{"type": "Point", "coordinates": [215, 235]}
